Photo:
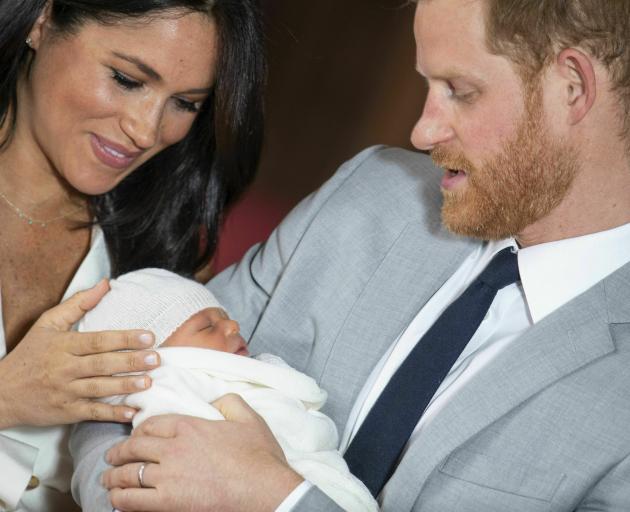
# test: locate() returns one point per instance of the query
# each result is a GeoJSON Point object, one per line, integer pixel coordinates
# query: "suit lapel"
{"type": "Point", "coordinates": [390, 300]}
{"type": "Point", "coordinates": [565, 341]}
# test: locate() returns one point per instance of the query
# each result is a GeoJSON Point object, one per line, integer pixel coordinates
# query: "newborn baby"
{"type": "Point", "coordinates": [209, 328]}
{"type": "Point", "coordinates": [204, 357]}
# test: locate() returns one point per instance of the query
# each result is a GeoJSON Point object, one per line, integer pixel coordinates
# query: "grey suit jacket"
{"type": "Point", "coordinates": [544, 427]}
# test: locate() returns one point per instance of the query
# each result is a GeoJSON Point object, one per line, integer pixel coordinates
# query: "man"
{"type": "Point", "coordinates": [527, 113]}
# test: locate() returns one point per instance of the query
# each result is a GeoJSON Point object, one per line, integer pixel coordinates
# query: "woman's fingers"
{"type": "Point", "coordinates": [87, 410]}
{"type": "Point", "coordinates": [98, 387]}
{"type": "Point", "coordinates": [84, 343]}
{"type": "Point", "coordinates": [111, 363]}
{"type": "Point", "coordinates": [52, 375]}
{"type": "Point", "coordinates": [69, 312]}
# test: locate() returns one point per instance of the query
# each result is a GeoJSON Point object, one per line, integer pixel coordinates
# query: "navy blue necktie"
{"type": "Point", "coordinates": [378, 444]}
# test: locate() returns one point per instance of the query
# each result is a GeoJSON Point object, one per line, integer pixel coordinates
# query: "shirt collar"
{"type": "Point", "coordinates": [554, 273]}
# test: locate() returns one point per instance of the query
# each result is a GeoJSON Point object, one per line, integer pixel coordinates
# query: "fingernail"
{"type": "Point", "coordinates": [146, 339]}
{"type": "Point", "coordinates": [140, 383]}
{"type": "Point", "coordinates": [151, 359]}
{"type": "Point", "coordinates": [129, 415]}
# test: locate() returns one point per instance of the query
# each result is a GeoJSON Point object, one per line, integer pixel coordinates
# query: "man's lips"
{"type": "Point", "coordinates": [452, 178]}
{"type": "Point", "coordinates": [112, 154]}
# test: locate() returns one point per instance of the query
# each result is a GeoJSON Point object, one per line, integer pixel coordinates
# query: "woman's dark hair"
{"type": "Point", "coordinates": [166, 213]}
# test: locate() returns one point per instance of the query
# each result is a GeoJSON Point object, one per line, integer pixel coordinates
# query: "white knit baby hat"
{"type": "Point", "coordinates": [153, 299]}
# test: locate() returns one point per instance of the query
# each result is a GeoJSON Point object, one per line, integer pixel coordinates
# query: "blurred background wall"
{"type": "Point", "coordinates": [341, 78]}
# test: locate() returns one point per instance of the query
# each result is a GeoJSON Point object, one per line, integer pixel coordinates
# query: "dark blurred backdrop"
{"type": "Point", "coordinates": [341, 78]}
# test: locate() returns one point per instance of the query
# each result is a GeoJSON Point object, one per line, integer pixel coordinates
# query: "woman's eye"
{"type": "Point", "coordinates": [124, 81]}
{"type": "Point", "coordinates": [188, 106]}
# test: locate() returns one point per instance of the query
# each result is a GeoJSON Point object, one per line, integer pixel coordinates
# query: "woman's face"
{"type": "Point", "coordinates": [99, 103]}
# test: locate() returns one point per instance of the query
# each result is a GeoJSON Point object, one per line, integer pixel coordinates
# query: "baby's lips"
{"type": "Point", "coordinates": [242, 346]}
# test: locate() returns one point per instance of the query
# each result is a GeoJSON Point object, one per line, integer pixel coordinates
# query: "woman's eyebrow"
{"type": "Point", "coordinates": [142, 66]}
{"type": "Point", "coordinates": [198, 91]}
{"type": "Point", "coordinates": [149, 71]}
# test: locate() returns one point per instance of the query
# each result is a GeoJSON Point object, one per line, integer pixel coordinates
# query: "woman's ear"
{"type": "Point", "coordinates": [576, 68]}
{"type": "Point", "coordinates": [42, 24]}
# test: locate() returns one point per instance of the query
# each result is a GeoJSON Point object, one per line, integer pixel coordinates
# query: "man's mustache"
{"type": "Point", "coordinates": [452, 161]}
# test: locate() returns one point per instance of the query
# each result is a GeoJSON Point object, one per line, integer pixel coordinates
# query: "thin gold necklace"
{"type": "Point", "coordinates": [31, 221]}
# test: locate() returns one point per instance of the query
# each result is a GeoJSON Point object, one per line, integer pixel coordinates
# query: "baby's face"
{"type": "Point", "coordinates": [209, 328]}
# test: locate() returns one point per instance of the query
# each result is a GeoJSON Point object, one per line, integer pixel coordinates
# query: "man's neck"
{"type": "Point", "coordinates": [598, 200]}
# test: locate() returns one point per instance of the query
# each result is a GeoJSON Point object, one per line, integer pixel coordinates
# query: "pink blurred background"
{"type": "Point", "coordinates": [341, 79]}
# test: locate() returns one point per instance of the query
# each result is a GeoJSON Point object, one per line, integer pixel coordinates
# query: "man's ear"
{"type": "Point", "coordinates": [37, 33]}
{"type": "Point", "coordinates": [576, 68]}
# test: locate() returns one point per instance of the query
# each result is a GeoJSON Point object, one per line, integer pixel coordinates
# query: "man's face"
{"type": "Point", "coordinates": [504, 169]}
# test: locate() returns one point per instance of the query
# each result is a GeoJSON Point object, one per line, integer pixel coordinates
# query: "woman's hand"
{"type": "Point", "coordinates": [53, 375]}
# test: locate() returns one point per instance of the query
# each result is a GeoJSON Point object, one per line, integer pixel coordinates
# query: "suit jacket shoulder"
{"type": "Point", "coordinates": [372, 194]}
{"type": "Point", "coordinates": [544, 427]}
{"type": "Point", "coordinates": [346, 271]}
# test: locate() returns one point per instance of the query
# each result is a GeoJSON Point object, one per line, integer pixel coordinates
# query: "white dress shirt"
{"type": "Point", "coordinates": [552, 274]}
{"type": "Point", "coordinates": [43, 451]}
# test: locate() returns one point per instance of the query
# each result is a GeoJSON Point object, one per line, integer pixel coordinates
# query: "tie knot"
{"type": "Point", "coordinates": [502, 270]}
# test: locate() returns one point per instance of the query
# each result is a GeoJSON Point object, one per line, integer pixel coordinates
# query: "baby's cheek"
{"type": "Point", "coordinates": [178, 339]}
{"type": "Point", "coordinates": [172, 341]}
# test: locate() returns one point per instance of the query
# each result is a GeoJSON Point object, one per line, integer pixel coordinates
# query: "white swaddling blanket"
{"type": "Point", "coordinates": [189, 379]}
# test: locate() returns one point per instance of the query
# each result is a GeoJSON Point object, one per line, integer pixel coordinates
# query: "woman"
{"type": "Point", "coordinates": [126, 128]}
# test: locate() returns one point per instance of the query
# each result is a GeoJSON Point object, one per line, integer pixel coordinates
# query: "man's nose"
{"type": "Point", "coordinates": [142, 124]}
{"type": "Point", "coordinates": [433, 128]}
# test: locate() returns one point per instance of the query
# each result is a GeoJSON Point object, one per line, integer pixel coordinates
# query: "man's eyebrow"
{"type": "Point", "coordinates": [449, 74]}
{"type": "Point", "coordinates": [145, 68]}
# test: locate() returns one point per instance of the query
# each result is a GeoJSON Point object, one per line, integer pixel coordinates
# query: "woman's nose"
{"type": "Point", "coordinates": [433, 128]}
{"type": "Point", "coordinates": [142, 124]}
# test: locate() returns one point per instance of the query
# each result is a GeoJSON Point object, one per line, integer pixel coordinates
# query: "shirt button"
{"type": "Point", "coordinates": [33, 483]}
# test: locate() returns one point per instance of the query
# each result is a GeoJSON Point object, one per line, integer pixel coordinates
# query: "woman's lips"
{"type": "Point", "coordinates": [453, 178]}
{"type": "Point", "coordinates": [112, 154]}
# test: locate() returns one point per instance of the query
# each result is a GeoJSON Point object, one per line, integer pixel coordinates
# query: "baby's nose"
{"type": "Point", "coordinates": [228, 327]}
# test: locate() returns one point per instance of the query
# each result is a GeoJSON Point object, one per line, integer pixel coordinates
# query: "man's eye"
{"type": "Point", "coordinates": [124, 81]}
{"type": "Point", "coordinates": [465, 97]}
{"type": "Point", "coordinates": [461, 96]}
